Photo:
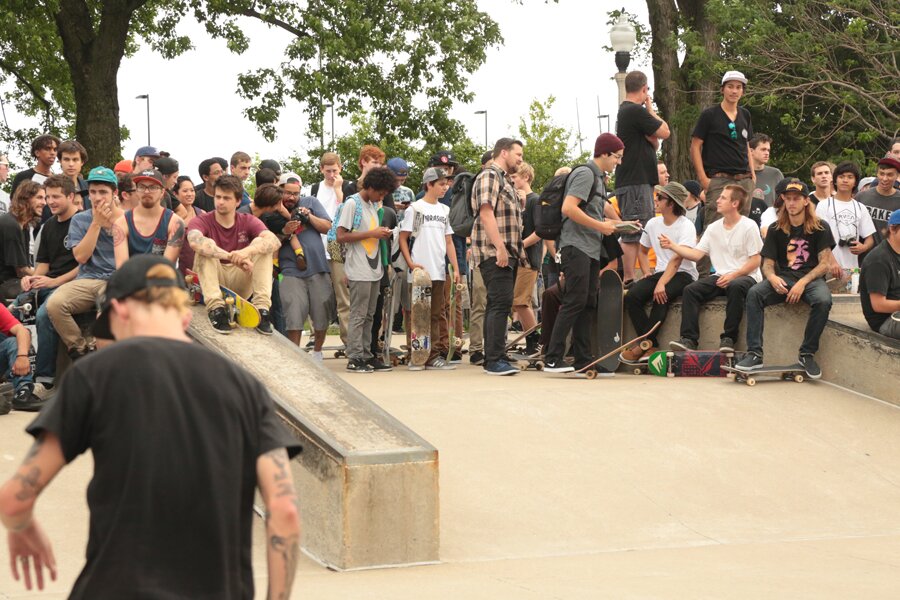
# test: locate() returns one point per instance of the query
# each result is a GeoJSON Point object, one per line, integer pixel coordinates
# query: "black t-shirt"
{"type": "Point", "coordinates": [53, 249]}
{"type": "Point", "coordinates": [638, 165]}
{"type": "Point", "coordinates": [534, 253]}
{"type": "Point", "coordinates": [171, 498]}
{"type": "Point", "coordinates": [757, 208]}
{"type": "Point", "coordinates": [724, 142]}
{"type": "Point", "coordinates": [815, 199]}
{"type": "Point", "coordinates": [13, 247]}
{"type": "Point", "coordinates": [880, 209]}
{"type": "Point", "coordinates": [796, 254]}
{"type": "Point", "coordinates": [203, 200]}
{"type": "Point", "coordinates": [880, 273]}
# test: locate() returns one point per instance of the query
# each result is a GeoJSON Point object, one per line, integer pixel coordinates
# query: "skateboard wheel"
{"type": "Point", "coordinates": [539, 365]}
{"type": "Point", "coordinates": [730, 376]}
{"type": "Point", "coordinates": [229, 301]}
{"type": "Point", "coordinates": [646, 344]}
{"type": "Point", "coordinates": [751, 381]}
{"type": "Point", "coordinates": [637, 370]}
{"type": "Point", "coordinates": [395, 361]}
{"type": "Point", "coordinates": [590, 374]}
{"type": "Point", "coordinates": [523, 367]}
{"type": "Point", "coordinates": [337, 354]}
{"type": "Point", "coordinates": [798, 378]}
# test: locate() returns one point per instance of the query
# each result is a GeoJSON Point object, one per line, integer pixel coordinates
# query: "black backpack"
{"type": "Point", "coordinates": [462, 215]}
{"type": "Point", "coordinates": [548, 217]}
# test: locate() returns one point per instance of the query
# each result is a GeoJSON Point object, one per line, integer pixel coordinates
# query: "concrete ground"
{"type": "Point", "coordinates": [631, 487]}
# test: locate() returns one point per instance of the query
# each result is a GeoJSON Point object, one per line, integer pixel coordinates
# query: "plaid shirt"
{"type": "Point", "coordinates": [492, 187]}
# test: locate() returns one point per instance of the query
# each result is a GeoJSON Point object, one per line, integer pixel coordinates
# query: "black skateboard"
{"type": "Point", "coordinates": [606, 331]}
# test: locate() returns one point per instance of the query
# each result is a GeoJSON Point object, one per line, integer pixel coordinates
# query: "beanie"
{"type": "Point", "coordinates": [607, 143]}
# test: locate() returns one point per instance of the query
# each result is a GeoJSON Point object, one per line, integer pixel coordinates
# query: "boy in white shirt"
{"type": "Point", "coordinates": [426, 222]}
{"type": "Point", "coordinates": [672, 273]}
{"type": "Point", "coordinates": [850, 222]}
{"type": "Point", "coordinates": [733, 244]}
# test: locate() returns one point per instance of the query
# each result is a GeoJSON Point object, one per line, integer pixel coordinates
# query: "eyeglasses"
{"type": "Point", "coordinates": [732, 131]}
{"type": "Point", "coordinates": [147, 188]}
{"type": "Point", "coordinates": [402, 174]}
{"type": "Point", "coordinates": [290, 194]}
{"type": "Point", "coordinates": [618, 155]}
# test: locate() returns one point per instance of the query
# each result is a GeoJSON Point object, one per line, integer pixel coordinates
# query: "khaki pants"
{"type": "Point", "coordinates": [341, 297]}
{"type": "Point", "coordinates": [255, 286]}
{"type": "Point", "coordinates": [72, 298]}
{"type": "Point", "coordinates": [476, 317]}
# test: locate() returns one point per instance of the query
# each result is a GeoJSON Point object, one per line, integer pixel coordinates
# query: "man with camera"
{"type": "Point", "coordinates": [850, 222]}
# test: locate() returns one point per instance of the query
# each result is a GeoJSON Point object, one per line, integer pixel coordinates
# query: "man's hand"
{"type": "Point", "coordinates": [778, 284]}
{"type": "Point", "coordinates": [607, 227]}
{"type": "Point", "coordinates": [659, 294]}
{"type": "Point", "coordinates": [665, 242]}
{"type": "Point", "coordinates": [415, 266]}
{"type": "Point", "coordinates": [456, 276]}
{"type": "Point", "coordinates": [704, 181]}
{"type": "Point", "coordinates": [338, 182]}
{"type": "Point", "coordinates": [836, 270]}
{"type": "Point", "coordinates": [648, 102]}
{"type": "Point", "coordinates": [240, 259]}
{"type": "Point", "coordinates": [40, 282]}
{"type": "Point", "coordinates": [857, 247]}
{"type": "Point", "coordinates": [502, 257]}
{"type": "Point", "coordinates": [26, 282]}
{"type": "Point", "coordinates": [21, 367]}
{"type": "Point", "coordinates": [291, 227]}
{"type": "Point", "coordinates": [104, 214]}
{"type": "Point", "coordinates": [796, 292]}
{"type": "Point", "coordinates": [31, 543]}
{"type": "Point", "coordinates": [381, 233]}
{"type": "Point", "coordinates": [722, 281]}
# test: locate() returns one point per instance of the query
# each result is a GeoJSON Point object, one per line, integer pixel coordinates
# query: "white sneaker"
{"type": "Point", "coordinates": [316, 356]}
{"type": "Point", "coordinates": [42, 392]}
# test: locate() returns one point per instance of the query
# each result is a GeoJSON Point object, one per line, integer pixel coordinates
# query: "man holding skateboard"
{"type": "Point", "coordinates": [796, 256]}
{"type": "Point", "coordinates": [732, 244]}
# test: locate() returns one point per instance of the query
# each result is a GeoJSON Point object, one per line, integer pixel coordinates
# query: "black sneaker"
{"type": "Point", "coordinates": [726, 344]}
{"type": "Point", "coordinates": [810, 366]}
{"type": "Point", "coordinates": [750, 362]}
{"type": "Point", "coordinates": [26, 401]}
{"type": "Point", "coordinates": [218, 318]}
{"type": "Point", "coordinates": [378, 365]}
{"type": "Point", "coordinates": [355, 365]}
{"type": "Point", "coordinates": [558, 366]}
{"type": "Point", "coordinates": [476, 358]}
{"type": "Point", "coordinates": [683, 344]}
{"type": "Point", "coordinates": [76, 353]}
{"type": "Point", "coordinates": [265, 325]}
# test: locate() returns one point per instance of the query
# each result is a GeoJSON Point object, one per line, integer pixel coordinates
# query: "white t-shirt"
{"type": "Point", "coordinates": [328, 200]}
{"type": "Point", "coordinates": [769, 216]}
{"type": "Point", "coordinates": [682, 232]}
{"type": "Point", "coordinates": [430, 247]}
{"type": "Point", "coordinates": [4, 202]}
{"type": "Point", "coordinates": [847, 220]}
{"type": "Point", "coordinates": [728, 250]}
{"type": "Point", "coordinates": [363, 261]}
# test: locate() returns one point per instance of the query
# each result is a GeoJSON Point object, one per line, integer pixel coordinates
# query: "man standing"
{"type": "Point", "coordinates": [148, 228]}
{"type": "Point", "coordinates": [72, 157]}
{"type": "Point", "coordinates": [851, 225]}
{"type": "Point", "coordinates": [822, 180]}
{"type": "Point", "coordinates": [641, 130]}
{"type": "Point", "coordinates": [16, 241]}
{"type": "Point", "coordinates": [210, 170]}
{"type": "Point", "coordinates": [766, 177]}
{"type": "Point", "coordinates": [497, 247]}
{"type": "Point", "coordinates": [720, 149]}
{"type": "Point", "coordinates": [879, 282]}
{"type": "Point", "coordinates": [43, 150]}
{"type": "Point", "coordinates": [240, 167]}
{"type": "Point", "coordinates": [884, 198]}
{"type": "Point", "coordinates": [526, 276]}
{"type": "Point", "coordinates": [153, 435]}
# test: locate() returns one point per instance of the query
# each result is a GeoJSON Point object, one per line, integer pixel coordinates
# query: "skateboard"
{"type": "Point", "coordinates": [454, 343]}
{"type": "Point", "coordinates": [240, 310]}
{"type": "Point", "coordinates": [390, 356]}
{"type": "Point", "coordinates": [510, 347]}
{"type": "Point", "coordinates": [27, 316]}
{"type": "Point", "coordinates": [420, 319]}
{"type": "Point", "coordinates": [607, 323]}
{"type": "Point", "coordinates": [691, 363]}
{"type": "Point", "coordinates": [590, 369]}
{"type": "Point", "coordinates": [528, 362]}
{"type": "Point", "coordinates": [785, 373]}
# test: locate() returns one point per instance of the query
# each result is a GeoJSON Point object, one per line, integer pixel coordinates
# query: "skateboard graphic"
{"type": "Point", "coordinates": [390, 356]}
{"type": "Point", "coordinates": [240, 310]}
{"type": "Point", "coordinates": [26, 313]}
{"type": "Point", "coordinates": [420, 318]}
{"type": "Point", "coordinates": [785, 373]}
{"type": "Point", "coordinates": [590, 369]}
{"type": "Point", "coordinates": [691, 363]}
{"type": "Point", "coordinates": [607, 323]}
{"type": "Point", "coordinates": [454, 343]}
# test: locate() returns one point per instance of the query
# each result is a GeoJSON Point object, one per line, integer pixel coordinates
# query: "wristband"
{"type": "Point", "coordinates": [21, 355]}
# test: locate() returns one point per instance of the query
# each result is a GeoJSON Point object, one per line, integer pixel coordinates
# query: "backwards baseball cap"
{"type": "Point", "coordinates": [270, 164]}
{"type": "Point", "coordinates": [128, 280]}
{"type": "Point", "coordinates": [290, 177]}
{"type": "Point", "coordinates": [675, 191]}
{"type": "Point", "coordinates": [734, 76]}
{"type": "Point", "coordinates": [444, 158]}
{"type": "Point", "coordinates": [103, 175]}
{"type": "Point", "coordinates": [147, 151]}
{"type": "Point", "coordinates": [398, 166]}
{"type": "Point", "coordinates": [894, 219]}
{"type": "Point", "coordinates": [791, 184]}
{"type": "Point", "coordinates": [151, 175]}
{"type": "Point", "coordinates": [166, 165]}
{"type": "Point", "coordinates": [693, 187]}
{"type": "Point", "coordinates": [433, 174]}
{"type": "Point", "coordinates": [890, 162]}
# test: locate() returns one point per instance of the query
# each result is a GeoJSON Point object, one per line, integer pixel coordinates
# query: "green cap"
{"type": "Point", "coordinates": [103, 175]}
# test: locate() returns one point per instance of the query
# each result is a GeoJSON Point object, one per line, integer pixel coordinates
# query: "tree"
{"type": "Point", "coordinates": [351, 52]}
{"type": "Point", "coordinates": [547, 145]}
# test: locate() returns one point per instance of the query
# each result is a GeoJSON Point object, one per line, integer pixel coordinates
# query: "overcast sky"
{"type": "Point", "coordinates": [195, 114]}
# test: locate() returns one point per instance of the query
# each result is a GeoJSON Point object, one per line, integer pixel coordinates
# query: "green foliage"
{"type": "Point", "coordinates": [547, 145]}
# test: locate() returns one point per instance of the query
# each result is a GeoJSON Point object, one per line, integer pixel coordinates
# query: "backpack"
{"type": "Point", "coordinates": [335, 248]}
{"type": "Point", "coordinates": [548, 217]}
{"type": "Point", "coordinates": [462, 216]}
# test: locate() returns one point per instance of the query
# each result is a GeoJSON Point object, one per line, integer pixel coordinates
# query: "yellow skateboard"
{"type": "Point", "coordinates": [240, 311]}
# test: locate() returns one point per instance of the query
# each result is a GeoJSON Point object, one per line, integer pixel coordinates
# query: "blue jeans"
{"type": "Point", "coordinates": [816, 295]}
{"type": "Point", "coordinates": [9, 349]}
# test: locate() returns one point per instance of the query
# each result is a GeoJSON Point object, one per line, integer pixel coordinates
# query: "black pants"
{"type": "Point", "coordinates": [499, 283]}
{"type": "Point", "coordinates": [641, 292]}
{"type": "Point", "coordinates": [578, 300]}
{"type": "Point", "coordinates": [705, 289]}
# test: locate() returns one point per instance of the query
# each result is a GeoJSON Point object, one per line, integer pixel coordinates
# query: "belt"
{"type": "Point", "coordinates": [736, 177]}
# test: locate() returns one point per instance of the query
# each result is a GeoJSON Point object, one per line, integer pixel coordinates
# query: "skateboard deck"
{"type": "Point", "coordinates": [26, 313]}
{"type": "Point", "coordinates": [691, 363]}
{"type": "Point", "coordinates": [590, 369]}
{"type": "Point", "coordinates": [528, 362]}
{"type": "Point", "coordinates": [240, 310]}
{"type": "Point", "coordinates": [522, 335]}
{"type": "Point", "coordinates": [783, 372]}
{"type": "Point", "coordinates": [420, 319]}
{"type": "Point", "coordinates": [455, 289]}
{"type": "Point", "coordinates": [387, 318]}
{"type": "Point", "coordinates": [607, 323]}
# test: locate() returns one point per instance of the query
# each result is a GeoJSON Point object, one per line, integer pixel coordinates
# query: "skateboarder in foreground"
{"type": "Point", "coordinates": [796, 256]}
{"type": "Point", "coordinates": [156, 433]}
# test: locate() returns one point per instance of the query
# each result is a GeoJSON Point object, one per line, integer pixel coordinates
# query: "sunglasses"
{"type": "Point", "coordinates": [732, 131]}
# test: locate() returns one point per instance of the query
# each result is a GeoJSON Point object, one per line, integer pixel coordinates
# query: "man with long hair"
{"type": "Point", "coordinates": [16, 241]}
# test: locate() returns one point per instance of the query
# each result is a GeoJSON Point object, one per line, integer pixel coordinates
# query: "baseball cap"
{"type": "Point", "coordinates": [103, 175]}
{"type": "Point", "coordinates": [444, 158]}
{"type": "Point", "coordinates": [290, 177]}
{"type": "Point", "coordinates": [166, 165]}
{"type": "Point", "coordinates": [693, 187]}
{"type": "Point", "coordinates": [147, 151]}
{"type": "Point", "coordinates": [270, 164]}
{"type": "Point", "coordinates": [791, 184]}
{"type": "Point", "coordinates": [433, 174]}
{"type": "Point", "coordinates": [151, 175]}
{"type": "Point", "coordinates": [398, 166]}
{"type": "Point", "coordinates": [734, 76]}
{"type": "Point", "coordinates": [894, 219]}
{"type": "Point", "coordinates": [128, 280]}
{"type": "Point", "coordinates": [889, 162]}
{"type": "Point", "coordinates": [124, 166]}
{"type": "Point", "coordinates": [866, 182]}
{"type": "Point", "coordinates": [675, 191]}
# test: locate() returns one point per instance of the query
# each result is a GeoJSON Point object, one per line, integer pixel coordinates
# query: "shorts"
{"type": "Point", "coordinates": [523, 292]}
{"type": "Point", "coordinates": [306, 297]}
{"type": "Point", "coordinates": [635, 204]}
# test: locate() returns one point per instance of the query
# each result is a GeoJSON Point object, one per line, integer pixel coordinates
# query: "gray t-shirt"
{"type": "Point", "coordinates": [363, 261]}
{"type": "Point", "coordinates": [580, 184]}
{"type": "Point", "coordinates": [880, 209]}
{"type": "Point", "coordinates": [311, 241]}
{"type": "Point", "coordinates": [766, 180]}
{"type": "Point", "coordinates": [102, 262]}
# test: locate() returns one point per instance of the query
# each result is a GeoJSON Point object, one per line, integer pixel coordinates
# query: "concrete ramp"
{"type": "Point", "coordinates": [368, 484]}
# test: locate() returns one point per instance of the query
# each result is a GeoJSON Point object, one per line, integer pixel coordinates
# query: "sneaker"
{"type": "Point", "coordinates": [896, 316]}
{"type": "Point", "coordinates": [265, 325]}
{"type": "Point", "coordinates": [378, 365]}
{"type": "Point", "coordinates": [355, 365]}
{"type": "Point", "coordinates": [438, 364]}
{"type": "Point", "coordinates": [558, 366]}
{"type": "Point", "coordinates": [750, 362]}
{"type": "Point", "coordinates": [218, 318]}
{"type": "Point", "coordinates": [683, 344]}
{"type": "Point", "coordinates": [415, 368]}
{"type": "Point", "coordinates": [43, 390]}
{"type": "Point", "coordinates": [500, 367]}
{"type": "Point", "coordinates": [810, 366]}
{"type": "Point", "coordinates": [457, 358]}
{"type": "Point", "coordinates": [310, 345]}
{"type": "Point", "coordinates": [476, 358]}
{"type": "Point", "coordinates": [26, 401]}
{"type": "Point", "coordinates": [316, 356]}
{"type": "Point", "coordinates": [5, 405]}
{"type": "Point", "coordinates": [726, 344]}
{"type": "Point", "coordinates": [77, 353]}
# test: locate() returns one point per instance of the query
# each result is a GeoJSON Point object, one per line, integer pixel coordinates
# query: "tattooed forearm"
{"type": "Point", "coordinates": [289, 550]}
{"type": "Point", "coordinates": [32, 452]}
{"type": "Point", "coordinates": [31, 487]}
{"type": "Point", "coordinates": [204, 246]}
{"type": "Point", "coordinates": [768, 267]}
{"type": "Point", "coordinates": [177, 237]}
{"type": "Point", "coordinates": [283, 481]}
{"type": "Point", "coordinates": [264, 243]}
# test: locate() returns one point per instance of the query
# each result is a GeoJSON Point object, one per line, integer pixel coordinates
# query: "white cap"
{"type": "Point", "coordinates": [287, 177]}
{"type": "Point", "coordinates": [734, 76]}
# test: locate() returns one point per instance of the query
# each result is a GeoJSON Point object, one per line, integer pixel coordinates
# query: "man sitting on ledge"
{"type": "Point", "coordinates": [879, 282]}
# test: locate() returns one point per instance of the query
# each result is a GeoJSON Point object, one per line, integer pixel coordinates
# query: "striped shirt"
{"type": "Point", "coordinates": [492, 187]}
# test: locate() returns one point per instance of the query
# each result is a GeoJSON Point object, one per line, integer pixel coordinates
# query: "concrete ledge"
{"type": "Point", "coordinates": [368, 485]}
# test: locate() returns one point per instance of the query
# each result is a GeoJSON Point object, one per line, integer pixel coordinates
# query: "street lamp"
{"type": "Point", "coordinates": [622, 37]}
{"type": "Point", "coordinates": [147, 98]}
{"type": "Point", "coordinates": [331, 106]}
{"type": "Point", "coordinates": [484, 112]}
{"type": "Point", "coordinates": [600, 118]}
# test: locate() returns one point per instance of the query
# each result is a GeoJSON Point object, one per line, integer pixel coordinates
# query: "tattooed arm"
{"type": "Point", "coordinates": [120, 240]}
{"type": "Point", "coordinates": [265, 243]}
{"type": "Point", "coordinates": [273, 473]}
{"type": "Point", "coordinates": [204, 246]}
{"type": "Point", "coordinates": [176, 238]}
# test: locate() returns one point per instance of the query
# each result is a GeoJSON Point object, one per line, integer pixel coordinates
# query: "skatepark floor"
{"type": "Point", "coordinates": [630, 487]}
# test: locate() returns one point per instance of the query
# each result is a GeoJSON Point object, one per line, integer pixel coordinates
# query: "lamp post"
{"type": "Point", "coordinates": [484, 112]}
{"type": "Point", "coordinates": [600, 118]}
{"type": "Point", "coordinates": [331, 106]}
{"type": "Point", "coordinates": [622, 37]}
{"type": "Point", "coordinates": [147, 98]}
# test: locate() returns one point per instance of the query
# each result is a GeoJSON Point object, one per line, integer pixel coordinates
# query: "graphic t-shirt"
{"type": "Point", "coordinates": [724, 141]}
{"type": "Point", "coordinates": [880, 209]}
{"type": "Point", "coordinates": [880, 274]}
{"type": "Point", "coordinates": [638, 164]}
{"type": "Point", "coordinates": [102, 262]}
{"type": "Point", "coordinates": [766, 180]}
{"type": "Point", "coordinates": [681, 232]}
{"type": "Point", "coordinates": [245, 229]}
{"type": "Point", "coordinates": [53, 249]}
{"type": "Point", "coordinates": [430, 247]}
{"type": "Point", "coordinates": [363, 260]}
{"type": "Point", "coordinates": [797, 253]}
{"type": "Point", "coordinates": [729, 249]}
{"type": "Point", "coordinates": [847, 220]}
{"type": "Point", "coordinates": [13, 247]}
